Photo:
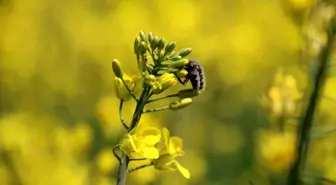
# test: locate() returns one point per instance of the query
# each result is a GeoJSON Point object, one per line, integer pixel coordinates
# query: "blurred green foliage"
{"type": "Point", "coordinates": [59, 114]}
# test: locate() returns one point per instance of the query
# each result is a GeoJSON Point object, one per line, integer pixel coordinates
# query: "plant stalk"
{"type": "Point", "coordinates": [304, 130]}
{"type": "Point", "coordinates": [122, 171]}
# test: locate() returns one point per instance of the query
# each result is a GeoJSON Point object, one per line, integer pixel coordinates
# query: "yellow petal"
{"type": "Point", "coordinates": [166, 136]}
{"type": "Point", "coordinates": [150, 152]}
{"type": "Point", "coordinates": [151, 140]}
{"type": "Point", "coordinates": [185, 172]}
{"type": "Point", "coordinates": [118, 84]}
{"type": "Point", "coordinates": [165, 168]}
{"type": "Point", "coordinates": [151, 137]}
{"type": "Point", "coordinates": [150, 131]}
{"type": "Point", "coordinates": [175, 145]}
{"type": "Point", "coordinates": [127, 78]}
{"type": "Point", "coordinates": [121, 90]}
{"type": "Point", "coordinates": [132, 143]}
{"type": "Point", "coordinates": [164, 159]}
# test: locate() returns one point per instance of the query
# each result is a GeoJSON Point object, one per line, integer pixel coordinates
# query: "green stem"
{"type": "Point", "coordinates": [115, 153]}
{"type": "Point", "coordinates": [120, 114]}
{"type": "Point", "coordinates": [165, 97]}
{"type": "Point", "coordinates": [139, 167]}
{"type": "Point", "coordinates": [304, 129]}
{"type": "Point", "coordinates": [157, 109]}
{"type": "Point", "coordinates": [124, 160]}
{"type": "Point", "coordinates": [138, 159]}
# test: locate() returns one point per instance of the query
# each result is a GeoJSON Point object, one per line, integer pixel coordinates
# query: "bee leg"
{"type": "Point", "coordinates": [183, 82]}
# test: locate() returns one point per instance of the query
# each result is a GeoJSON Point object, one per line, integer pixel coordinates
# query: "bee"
{"type": "Point", "coordinates": [195, 75]}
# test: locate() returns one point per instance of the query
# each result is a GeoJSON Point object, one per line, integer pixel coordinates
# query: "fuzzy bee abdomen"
{"type": "Point", "coordinates": [196, 75]}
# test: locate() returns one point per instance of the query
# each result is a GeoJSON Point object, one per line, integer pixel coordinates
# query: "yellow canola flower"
{"type": "Point", "coordinates": [281, 98]}
{"type": "Point", "coordinates": [163, 82]}
{"type": "Point", "coordinates": [173, 147]}
{"type": "Point", "coordinates": [278, 150]}
{"type": "Point", "coordinates": [140, 144]}
{"type": "Point", "coordinates": [121, 91]}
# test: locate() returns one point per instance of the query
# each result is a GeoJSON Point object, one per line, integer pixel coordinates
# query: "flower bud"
{"type": "Point", "coordinates": [143, 36]}
{"type": "Point", "coordinates": [166, 81]}
{"type": "Point", "coordinates": [180, 63]}
{"type": "Point", "coordinates": [188, 93]}
{"type": "Point", "coordinates": [120, 89]}
{"type": "Point", "coordinates": [176, 57]}
{"type": "Point", "coordinates": [181, 73]}
{"type": "Point", "coordinates": [179, 104]}
{"type": "Point", "coordinates": [150, 37]}
{"type": "Point", "coordinates": [142, 47]}
{"type": "Point", "coordinates": [156, 87]}
{"type": "Point", "coordinates": [117, 68]}
{"type": "Point", "coordinates": [184, 52]}
{"type": "Point", "coordinates": [161, 44]}
{"type": "Point", "coordinates": [154, 42]}
{"type": "Point", "coordinates": [149, 78]}
{"type": "Point", "coordinates": [137, 42]}
{"type": "Point", "coordinates": [170, 47]}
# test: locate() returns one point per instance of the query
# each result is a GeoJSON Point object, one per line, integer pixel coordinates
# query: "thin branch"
{"type": "Point", "coordinates": [129, 90]}
{"type": "Point", "coordinates": [165, 97]}
{"type": "Point", "coordinates": [157, 109]}
{"type": "Point", "coordinates": [139, 159]}
{"type": "Point", "coordinates": [139, 167]}
{"type": "Point", "coordinates": [120, 114]}
{"type": "Point", "coordinates": [115, 153]}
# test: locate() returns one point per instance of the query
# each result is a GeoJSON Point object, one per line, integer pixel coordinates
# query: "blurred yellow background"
{"type": "Point", "coordinates": [59, 114]}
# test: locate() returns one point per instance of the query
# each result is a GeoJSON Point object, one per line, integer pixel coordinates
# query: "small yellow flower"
{"type": "Point", "coordinates": [278, 150]}
{"type": "Point", "coordinates": [163, 82]}
{"type": "Point", "coordinates": [172, 148]}
{"type": "Point", "coordinates": [141, 144]}
{"type": "Point", "coordinates": [281, 98]}
{"type": "Point", "coordinates": [121, 91]}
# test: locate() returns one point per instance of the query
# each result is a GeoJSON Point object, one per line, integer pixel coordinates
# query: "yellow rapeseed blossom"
{"type": "Point", "coordinates": [120, 89]}
{"type": "Point", "coordinates": [281, 98]}
{"type": "Point", "coordinates": [141, 143]}
{"type": "Point", "coordinates": [277, 150]}
{"type": "Point", "coordinates": [163, 82]}
{"type": "Point", "coordinates": [172, 148]}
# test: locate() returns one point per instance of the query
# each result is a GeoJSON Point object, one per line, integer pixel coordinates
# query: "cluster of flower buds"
{"type": "Point", "coordinates": [161, 71]}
